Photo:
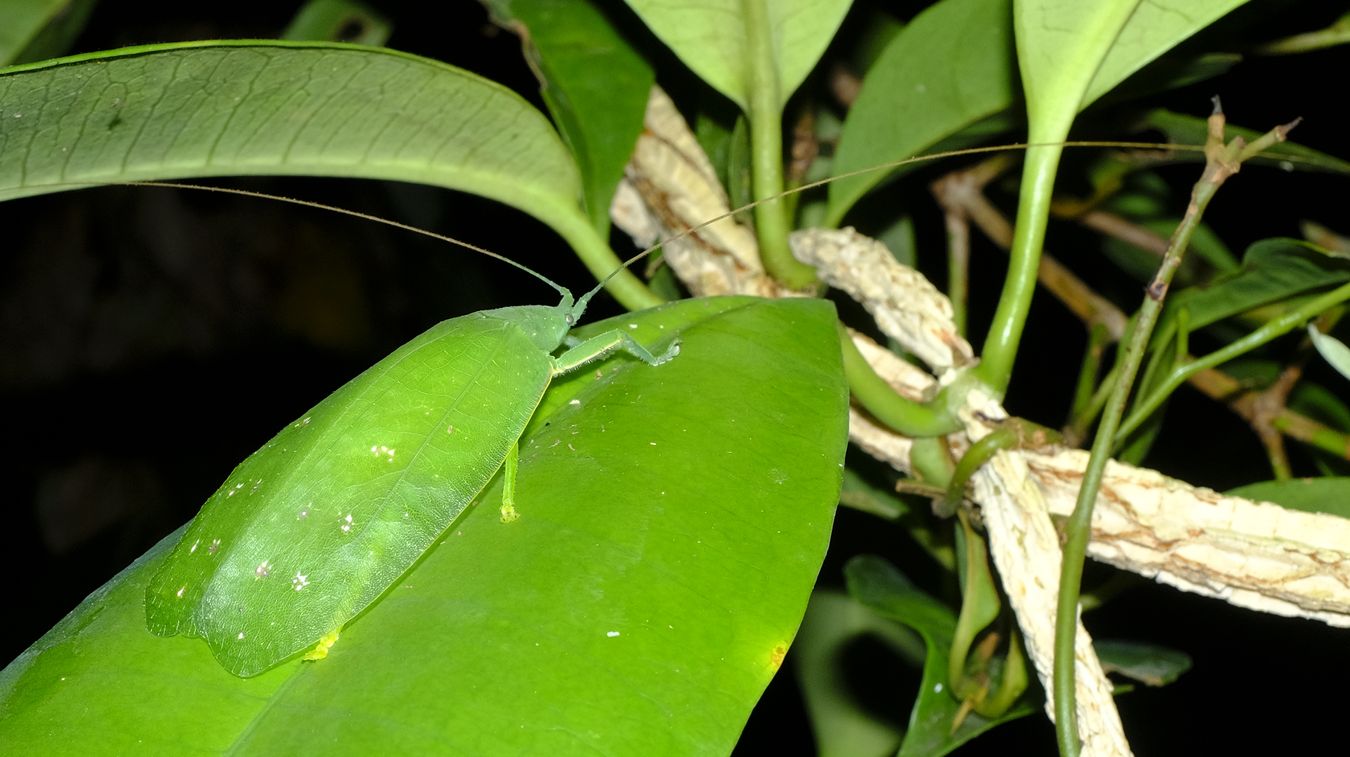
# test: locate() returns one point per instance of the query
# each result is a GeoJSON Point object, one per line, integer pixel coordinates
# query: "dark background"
{"type": "Point", "coordinates": [153, 338]}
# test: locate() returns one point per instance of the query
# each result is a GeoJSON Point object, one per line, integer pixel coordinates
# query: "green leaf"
{"type": "Point", "coordinates": [1316, 401]}
{"type": "Point", "coordinates": [1331, 349]}
{"type": "Point", "coordinates": [338, 21]}
{"type": "Point", "coordinates": [593, 82]}
{"type": "Point", "coordinates": [944, 72]}
{"type": "Point", "coordinates": [290, 108]}
{"type": "Point", "coordinates": [1272, 270]}
{"type": "Point", "coordinates": [1148, 664]}
{"type": "Point", "coordinates": [918, 522]}
{"type": "Point", "coordinates": [1153, 28]}
{"type": "Point", "coordinates": [222, 109]}
{"type": "Point", "coordinates": [663, 557]}
{"type": "Point", "coordinates": [1313, 495]}
{"type": "Point", "coordinates": [36, 29]}
{"type": "Point", "coordinates": [843, 657]}
{"type": "Point", "coordinates": [980, 602]}
{"type": "Point", "coordinates": [877, 584]}
{"type": "Point", "coordinates": [1171, 73]}
{"type": "Point", "coordinates": [713, 37]}
{"type": "Point", "coordinates": [1141, 265]}
{"type": "Point", "coordinates": [1179, 128]}
{"type": "Point", "coordinates": [1071, 53]}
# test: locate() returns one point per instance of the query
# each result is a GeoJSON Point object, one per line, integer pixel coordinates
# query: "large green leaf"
{"type": "Point", "coordinates": [672, 522]}
{"type": "Point", "coordinates": [593, 82]}
{"type": "Point", "coordinates": [218, 109]}
{"type": "Point", "coordinates": [713, 38]}
{"type": "Point", "coordinates": [289, 108]}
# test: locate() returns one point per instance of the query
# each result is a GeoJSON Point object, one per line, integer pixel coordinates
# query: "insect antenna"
{"type": "Point", "coordinates": [360, 215]}
{"type": "Point", "coordinates": [586, 298]}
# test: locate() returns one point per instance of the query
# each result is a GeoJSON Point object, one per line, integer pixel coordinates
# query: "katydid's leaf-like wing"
{"type": "Point", "coordinates": [311, 528]}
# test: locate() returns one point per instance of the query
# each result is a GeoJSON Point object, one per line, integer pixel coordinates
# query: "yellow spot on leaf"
{"type": "Point", "coordinates": [320, 650]}
{"type": "Point", "coordinates": [776, 656]}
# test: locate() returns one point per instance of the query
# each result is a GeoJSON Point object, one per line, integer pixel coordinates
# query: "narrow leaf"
{"type": "Point", "coordinates": [945, 71]}
{"type": "Point", "coordinates": [1180, 128]}
{"type": "Point", "coordinates": [1331, 349]}
{"type": "Point", "coordinates": [593, 82]}
{"type": "Point", "coordinates": [1272, 270]}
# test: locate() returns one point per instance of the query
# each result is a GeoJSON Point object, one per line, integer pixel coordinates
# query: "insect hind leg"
{"type": "Point", "coordinates": [602, 345]}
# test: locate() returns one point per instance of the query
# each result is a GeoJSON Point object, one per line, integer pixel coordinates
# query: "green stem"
{"type": "Point", "coordinates": [915, 419]}
{"type": "Point", "coordinates": [576, 229]}
{"type": "Point", "coordinates": [1313, 433]}
{"type": "Point", "coordinates": [958, 268]}
{"type": "Point", "coordinates": [1013, 433]}
{"type": "Point", "coordinates": [1273, 329]}
{"type": "Point", "coordinates": [1222, 161]}
{"type": "Point", "coordinates": [1078, 430]}
{"type": "Point", "coordinates": [765, 113]}
{"type": "Point", "coordinates": [1033, 211]}
{"type": "Point", "coordinates": [1098, 339]}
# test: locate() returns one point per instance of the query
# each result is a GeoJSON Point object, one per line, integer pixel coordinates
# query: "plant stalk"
{"type": "Point", "coordinates": [1222, 161]}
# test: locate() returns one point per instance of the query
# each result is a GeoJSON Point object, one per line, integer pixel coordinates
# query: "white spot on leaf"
{"type": "Point", "coordinates": [300, 581]}
{"type": "Point", "coordinates": [612, 634]}
{"type": "Point", "coordinates": [181, 590]}
{"type": "Point", "coordinates": [215, 546]}
{"type": "Point", "coordinates": [381, 450]}
{"type": "Point", "coordinates": [193, 548]}
{"type": "Point", "coordinates": [240, 637]}
{"type": "Point", "coordinates": [263, 570]}
{"type": "Point", "coordinates": [346, 523]}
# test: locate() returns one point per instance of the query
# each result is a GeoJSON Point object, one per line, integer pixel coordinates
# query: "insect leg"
{"type": "Point", "coordinates": [508, 508]}
{"type": "Point", "coordinates": [604, 344]}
